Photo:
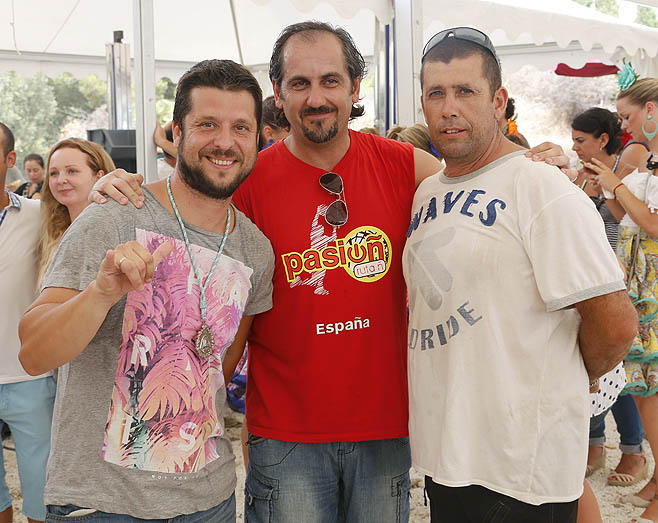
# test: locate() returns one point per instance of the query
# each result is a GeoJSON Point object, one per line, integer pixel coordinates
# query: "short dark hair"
{"type": "Point", "coordinates": [273, 116]}
{"type": "Point", "coordinates": [452, 48]}
{"type": "Point", "coordinates": [220, 74]}
{"type": "Point", "coordinates": [169, 135]}
{"type": "Point", "coordinates": [34, 157]}
{"type": "Point", "coordinates": [596, 121]}
{"type": "Point", "coordinates": [7, 141]}
{"type": "Point", "coordinates": [510, 109]}
{"type": "Point", "coordinates": [354, 62]}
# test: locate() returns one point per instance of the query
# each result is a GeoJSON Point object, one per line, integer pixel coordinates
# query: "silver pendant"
{"type": "Point", "coordinates": [205, 342]}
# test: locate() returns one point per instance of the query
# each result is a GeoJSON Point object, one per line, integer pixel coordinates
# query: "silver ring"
{"type": "Point", "coordinates": [121, 261]}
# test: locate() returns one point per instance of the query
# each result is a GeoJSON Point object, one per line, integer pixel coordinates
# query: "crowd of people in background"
{"type": "Point", "coordinates": [286, 264]}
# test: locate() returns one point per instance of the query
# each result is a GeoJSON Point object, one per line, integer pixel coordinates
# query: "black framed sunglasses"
{"type": "Point", "coordinates": [336, 214]}
{"type": "Point", "coordinates": [469, 34]}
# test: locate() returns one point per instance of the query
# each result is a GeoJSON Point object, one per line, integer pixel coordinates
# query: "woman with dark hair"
{"type": "Point", "coordinates": [34, 169]}
{"type": "Point", "coordinates": [596, 133]}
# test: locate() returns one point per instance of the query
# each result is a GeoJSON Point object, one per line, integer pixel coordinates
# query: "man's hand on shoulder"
{"type": "Point", "coordinates": [119, 185]}
{"type": "Point", "coordinates": [552, 154]}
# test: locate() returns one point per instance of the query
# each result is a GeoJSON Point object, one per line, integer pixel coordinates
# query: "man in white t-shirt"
{"type": "Point", "coordinates": [517, 303]}
{"type": "Point", "coordinates": [26, 402]}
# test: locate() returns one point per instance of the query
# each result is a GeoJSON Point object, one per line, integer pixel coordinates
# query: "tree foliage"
{"type": "Point", "coordinates": [547, 103]}
{"type": "Point", "coordinates": [608, 7]}
{"type": "Point", "coordinates": [28, 106]}
{"type": "Point", "coordinates": [646, 16]}
{"type": "Point", "coordinates": [38, 108]}
{"type": "Point", "coordinates": [165, 93]}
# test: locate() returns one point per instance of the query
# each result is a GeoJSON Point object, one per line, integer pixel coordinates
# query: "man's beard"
{"type": "Point", "coordinates": [316, 134]}
{"type": "Point", "coordinates": [194, 177]}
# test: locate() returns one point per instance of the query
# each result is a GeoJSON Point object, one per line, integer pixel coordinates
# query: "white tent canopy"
{"type": "Point", "coordinates": [539, 26]}
{"type": "Point", "coordinates": [560, 21]}
{"type": "Point", "coordinates": [540, 32]}
{"type": "Point", "coordinates": [70, 35]}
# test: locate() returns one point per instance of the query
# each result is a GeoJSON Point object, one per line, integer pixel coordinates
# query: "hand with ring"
{"type": "Point", "coordinates": [128, 267]}
{"type": "Point", "coordinates": [119, 185]}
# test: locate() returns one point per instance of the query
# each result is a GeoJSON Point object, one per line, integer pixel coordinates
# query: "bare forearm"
{"type": "Point", "coordinates": [55, 333]}
{"type": "Point", "coordinates": [231, 360]}
{"type": "Point", "coordinates": [616, 209]}
{"type": "Point", "coordinates": [604, 346]}
{"type": "Point", "coordinates": [235, 351]}
{"type": "Point", "coordinates": [168, 147]}
{"type": "Point", "coordinates": [600, 358]}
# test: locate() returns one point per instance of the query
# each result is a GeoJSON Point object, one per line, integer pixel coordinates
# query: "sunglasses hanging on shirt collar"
{"type": "Point", "coordinates": [336, 213]}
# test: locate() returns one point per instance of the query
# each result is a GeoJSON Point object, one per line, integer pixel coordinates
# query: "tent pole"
{"type": "Point", "coordinates": [237, 33]}
{"type": "Point", "coordinates": [408, 45]}
{"type": "Point", "coordinates": [381, 80]}
{"type": "Point", "coordinates": [145, 88]}
{"type": "Point", "coordinates": [390, 87]}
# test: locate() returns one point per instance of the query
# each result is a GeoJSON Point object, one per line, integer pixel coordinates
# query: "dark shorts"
{"type": "Point", "coordinates": [475, 504]}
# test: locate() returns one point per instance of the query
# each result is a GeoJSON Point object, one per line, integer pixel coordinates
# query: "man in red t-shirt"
{"type": "Point", "coordinates": [327, 405]}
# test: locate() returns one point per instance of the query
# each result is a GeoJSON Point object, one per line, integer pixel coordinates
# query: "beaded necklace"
{"type": "Point", "coordinates": [205, 341]}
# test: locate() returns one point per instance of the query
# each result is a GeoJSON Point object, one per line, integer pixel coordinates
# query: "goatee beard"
{"type": "Point", "coordinates": [320, 136]}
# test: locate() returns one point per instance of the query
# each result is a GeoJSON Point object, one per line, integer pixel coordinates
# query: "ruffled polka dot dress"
{"type": "Point", "coordinates": [610, 385]}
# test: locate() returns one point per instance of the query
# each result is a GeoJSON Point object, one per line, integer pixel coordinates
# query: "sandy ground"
{"type": "Point", "coordinates": [611, 510]}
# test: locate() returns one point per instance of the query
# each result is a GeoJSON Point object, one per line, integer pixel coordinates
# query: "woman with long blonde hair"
{"type": "Point", "coordinates": [73, 167]}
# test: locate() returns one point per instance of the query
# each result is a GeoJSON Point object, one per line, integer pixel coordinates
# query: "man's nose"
{"type": "Point", "coordinates": [223, 138]}
{"type": "Point", "coordinates": [450, 106]}
{"type": "Point", "coordinates": [316, 96]}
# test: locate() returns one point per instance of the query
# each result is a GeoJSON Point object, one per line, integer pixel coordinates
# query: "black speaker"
{"type": "Point", "coordinates": [120, 144]}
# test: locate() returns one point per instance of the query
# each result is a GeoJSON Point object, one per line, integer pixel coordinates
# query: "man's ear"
{"type": "Point", "coordinates": [500, 102]}
{"type": "Point", "coordinates": [176, 132]}
{"type": "Point", "coordinates": [277, 96]}
{"type": "Point", "coordinates": [11, 159]}
{"type": "Point", "coordinates": [356, 91]}
{"type": "Point", "coordinates": [267, 133]}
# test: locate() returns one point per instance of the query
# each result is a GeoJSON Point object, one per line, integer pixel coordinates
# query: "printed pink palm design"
{"type": "Point", "coordinates": [163, 415]}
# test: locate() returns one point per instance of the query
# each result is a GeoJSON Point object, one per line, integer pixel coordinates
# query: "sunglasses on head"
{"type": "Point", "coordinates": [336, 214]}
{"type": "Point", "coordinates": [467, 34]}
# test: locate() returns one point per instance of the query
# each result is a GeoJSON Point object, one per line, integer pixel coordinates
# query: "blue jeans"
{"type": "Point", "coordinates": [359, 482]}
{"type": "Point", "coordinates": [222, 513]}
{"type": "Point", "coordinates": [27, 408]}
{"type": "Point", "coordinates": [629, 426]}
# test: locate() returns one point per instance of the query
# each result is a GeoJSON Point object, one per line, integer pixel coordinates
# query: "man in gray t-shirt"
{"type": "Point", "coordinates": [147, 312]}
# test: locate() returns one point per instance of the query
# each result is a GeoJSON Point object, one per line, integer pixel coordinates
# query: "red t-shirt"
{"type": "Point", "coordinates": [328, 361]}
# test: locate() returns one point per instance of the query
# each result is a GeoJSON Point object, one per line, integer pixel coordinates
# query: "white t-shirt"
{"type": "Point", "coordinates": [19, 234]}
{"type": "Point", "coordinates": [641, 184]}
{"type": "Point", "coordinates": [498, 389]}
